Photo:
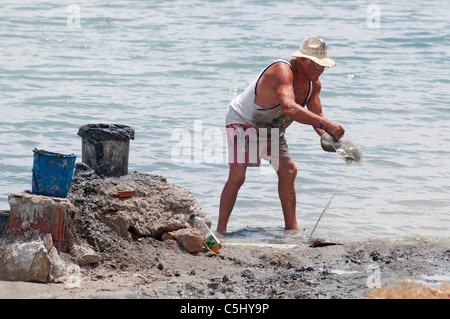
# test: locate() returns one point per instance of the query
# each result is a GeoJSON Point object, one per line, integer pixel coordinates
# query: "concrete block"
{"type": "Point", "coordinates": [49, 215]}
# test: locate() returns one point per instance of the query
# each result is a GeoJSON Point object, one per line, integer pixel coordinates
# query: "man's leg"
{"type": "Point", "coordinates": [287, 172]}
{"type": "Point", "coordinates": [236, 178]}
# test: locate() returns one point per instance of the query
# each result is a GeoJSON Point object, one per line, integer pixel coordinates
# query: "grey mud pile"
{"type": "Point", "coordinates": [139, 260]}
{"type": "Point", "coordinates": [129, 207]}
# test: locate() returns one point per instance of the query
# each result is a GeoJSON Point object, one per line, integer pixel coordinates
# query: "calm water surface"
{"type": "Point", "coordinates": [170, 68]}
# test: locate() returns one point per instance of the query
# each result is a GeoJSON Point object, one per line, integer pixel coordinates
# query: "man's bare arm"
{"type": "Point", "coordinates": [293, 110]}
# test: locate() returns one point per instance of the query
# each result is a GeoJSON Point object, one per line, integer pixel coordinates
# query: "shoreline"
{"type": "Point", "coordinates": [154, 269]}
{"type": "Point", "coordinates": [138, 258]}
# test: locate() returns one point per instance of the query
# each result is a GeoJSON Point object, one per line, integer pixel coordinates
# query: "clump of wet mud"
{"type": "Point", "coordinates": [112, 210]}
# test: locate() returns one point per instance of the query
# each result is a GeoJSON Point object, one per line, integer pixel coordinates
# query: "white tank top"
{"type": "Point", "coordinates": [244, 110]}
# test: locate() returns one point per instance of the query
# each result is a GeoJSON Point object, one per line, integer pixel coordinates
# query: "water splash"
{"type": "Point", "coordinates": [345, 148]}
{"type": "Point", "coordinates": [326, 207]}
{"type": "Point", "coordinates": [349, 151]}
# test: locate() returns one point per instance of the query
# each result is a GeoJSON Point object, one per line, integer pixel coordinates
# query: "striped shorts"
{"type": "Point", "coordinates": [247, 145]}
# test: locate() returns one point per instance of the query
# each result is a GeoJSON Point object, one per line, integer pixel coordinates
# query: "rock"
{"type": "Point", "coordinates": [84, 255]}
{"type": "Point", "coordinates": [24, 261]}
{"type": "Point", "coordinates": [58, 269]}
{"type": "Point", "coordinates": [190, 239]}
{"type": "Point", "coordinates": [26, 258]}
{"type": "Point", "coordinates": [48, 241]}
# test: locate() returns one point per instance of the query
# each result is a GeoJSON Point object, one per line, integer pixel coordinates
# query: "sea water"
{"type": "Point", "coordinates": [168, 69]}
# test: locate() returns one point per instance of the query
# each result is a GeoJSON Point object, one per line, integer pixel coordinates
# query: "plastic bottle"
{"type": "Point", "coordinates": [210, 239]}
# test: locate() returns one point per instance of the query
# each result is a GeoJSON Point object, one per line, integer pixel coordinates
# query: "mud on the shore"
{"type": "Point", "coordinates": [151, 268]}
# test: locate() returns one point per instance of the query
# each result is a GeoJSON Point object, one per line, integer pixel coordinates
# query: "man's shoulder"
{"type": "Point", "coordinates": [282, 70]}
{"type": "Point", "coordinates": [282, 64]}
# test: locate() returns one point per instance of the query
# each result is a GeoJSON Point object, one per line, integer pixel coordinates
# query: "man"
{"type": "Point", "coordinates": [275, 99]}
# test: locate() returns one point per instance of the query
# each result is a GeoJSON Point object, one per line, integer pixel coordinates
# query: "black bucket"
{"type": "Point", "coordinates": [105, 148]}
{"type": "Point", "coordinates": [4, 222]}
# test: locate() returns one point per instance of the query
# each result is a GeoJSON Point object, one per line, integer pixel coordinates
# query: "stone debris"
{"type": "Point", "coordinates": [26, 258]}
{"type": "Point", "coordinates": [24, 261]}
{"type": "Point", "coordinates": [89, 225]}
{"type": "Point", "coordinates": [190, 239]}
{"type": "Point", "coordinates": [84, 255]}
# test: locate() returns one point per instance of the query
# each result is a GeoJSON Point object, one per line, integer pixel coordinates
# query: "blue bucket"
{"type": "Point", "coordinates": [52, 173]}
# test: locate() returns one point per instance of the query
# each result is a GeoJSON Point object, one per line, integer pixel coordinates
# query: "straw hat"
{"type": "Point", "coordinates": [315, 50]}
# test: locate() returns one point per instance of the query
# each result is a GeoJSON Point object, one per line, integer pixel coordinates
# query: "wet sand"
{"type": "Point", "coordinates": [153, 269]}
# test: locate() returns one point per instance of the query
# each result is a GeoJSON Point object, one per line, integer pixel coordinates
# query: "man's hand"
{"type": "Point", "coordinates": [334, 129]}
